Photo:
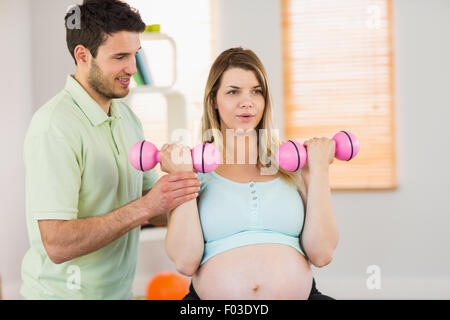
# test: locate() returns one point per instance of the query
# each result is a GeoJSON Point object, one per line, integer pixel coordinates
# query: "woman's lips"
{"type": "Point", "coordinates": [245, 117]}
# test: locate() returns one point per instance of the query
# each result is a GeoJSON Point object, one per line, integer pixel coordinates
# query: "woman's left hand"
{"type": "Point", "coordinates": [320, 152]}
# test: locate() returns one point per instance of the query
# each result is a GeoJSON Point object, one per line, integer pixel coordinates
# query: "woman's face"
{"type": "Point", "coordinates": [240, 100]}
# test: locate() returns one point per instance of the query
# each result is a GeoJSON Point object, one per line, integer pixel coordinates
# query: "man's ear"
{"type": "Point", "coordinates": [81, 54]}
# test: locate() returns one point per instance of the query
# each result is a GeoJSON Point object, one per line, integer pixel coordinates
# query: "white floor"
{"type": "Point", "coordinates": [341, 289]}
{"type": "Point", "coordinates": [391, 288]}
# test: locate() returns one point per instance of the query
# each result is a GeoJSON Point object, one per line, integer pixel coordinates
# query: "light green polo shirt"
{"type": "Point", "coordinates": [76, 161]}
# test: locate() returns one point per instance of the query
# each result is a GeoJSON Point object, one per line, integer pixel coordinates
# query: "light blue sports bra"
{"type": "Point", "coordinates": [234, 214]}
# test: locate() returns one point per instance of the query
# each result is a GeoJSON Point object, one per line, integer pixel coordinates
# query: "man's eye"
{"type": "Point", "coordinates": [119, 58]}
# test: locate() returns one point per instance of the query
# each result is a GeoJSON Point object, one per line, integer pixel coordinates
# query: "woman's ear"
{"type": "Point", "coordinates": [216, 107]}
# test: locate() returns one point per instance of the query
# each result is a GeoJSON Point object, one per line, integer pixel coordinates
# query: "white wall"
{"type": "Point", "coordinates": [35, 63]}
{"type": "Point", "coordinates": [52, 61]}
{"type": "Point", "coordinates": [405, 232]}
{"type": "Point", "coordinates": [255, 25]}
{"type": "Point", "coordinates": [16, 109]}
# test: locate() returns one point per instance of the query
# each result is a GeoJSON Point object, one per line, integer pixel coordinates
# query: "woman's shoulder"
{"type": "Point", "coordinates": [204, 178]}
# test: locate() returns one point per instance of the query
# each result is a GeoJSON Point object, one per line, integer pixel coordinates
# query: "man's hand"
{"type": "Point", "coordinates": [170, 191]}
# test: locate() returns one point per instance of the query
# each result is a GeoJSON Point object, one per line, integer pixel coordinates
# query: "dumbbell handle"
{"type": "Point", "coordinates": [144, 156]}
{"type": "Point", "coordinates": [292, 155]}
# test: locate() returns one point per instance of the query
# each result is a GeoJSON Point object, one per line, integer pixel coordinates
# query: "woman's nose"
{"type": "Point", "coordinates": [246, 104]}
{"type": "Point", "coordinates": [246, 101]}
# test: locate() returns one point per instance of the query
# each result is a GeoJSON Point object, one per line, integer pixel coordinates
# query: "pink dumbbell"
{"type": "Point", "coordinates": [144, 156]}
{"type": "Point", "coordinates": [292, 156]}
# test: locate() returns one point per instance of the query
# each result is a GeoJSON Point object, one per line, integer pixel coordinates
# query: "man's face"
{"type": "Point", "coordinates": [110, 72]}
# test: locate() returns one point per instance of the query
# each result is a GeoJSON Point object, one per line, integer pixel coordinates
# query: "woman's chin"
{"type": "Point", "coordinates": [239, 128]}
{"type": "Point", "coordinates": [243, 128]}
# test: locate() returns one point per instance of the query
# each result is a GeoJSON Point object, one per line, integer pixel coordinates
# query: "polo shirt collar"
{"type": "Point", "coordinates": [89, 106]}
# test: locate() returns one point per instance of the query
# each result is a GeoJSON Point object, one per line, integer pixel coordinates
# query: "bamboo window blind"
{"type": "Point", "coordinates": [338, 75]}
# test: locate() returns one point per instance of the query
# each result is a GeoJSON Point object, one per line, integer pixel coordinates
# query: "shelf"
{"type": "Point", "coordinates": [154, 89]}
{"type": "Point", "coordinates": [176, 108]}
{"type": "Point", "coordinates": [153, 234]}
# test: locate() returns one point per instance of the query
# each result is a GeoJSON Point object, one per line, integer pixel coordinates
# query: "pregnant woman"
{"type": "Point", "coordinates": [252, 232]}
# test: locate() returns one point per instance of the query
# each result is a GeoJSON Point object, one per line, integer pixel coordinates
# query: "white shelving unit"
{"type": "Point", "coordinates": [152, 257]}
{"type": "Point", "coordinates": [176, 101]}
{"type": "Point", "coordinates": [176, 119]}
{"type": "Point", "coordinates": [176, 105]}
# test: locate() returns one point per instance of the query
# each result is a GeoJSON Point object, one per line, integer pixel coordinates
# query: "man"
{"type": "Point", "coordinates": [84, 201]}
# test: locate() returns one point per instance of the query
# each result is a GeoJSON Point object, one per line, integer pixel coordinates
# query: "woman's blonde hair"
{"type": "Point", "coordinates": [247, 60]}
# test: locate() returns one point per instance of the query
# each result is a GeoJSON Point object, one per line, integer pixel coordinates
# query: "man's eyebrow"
{"type": "Point", "coordinates": [125, 53]}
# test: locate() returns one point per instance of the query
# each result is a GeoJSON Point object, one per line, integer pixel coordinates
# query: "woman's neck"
{"type": "Point", "coordinates": [240, 149]}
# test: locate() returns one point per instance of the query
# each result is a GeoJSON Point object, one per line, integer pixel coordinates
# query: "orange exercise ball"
{"type": "Point", "coordinates": [167, 285]}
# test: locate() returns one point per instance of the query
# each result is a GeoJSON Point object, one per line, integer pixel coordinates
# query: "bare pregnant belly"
{"type": "Point", "coordinates": [261, 271]}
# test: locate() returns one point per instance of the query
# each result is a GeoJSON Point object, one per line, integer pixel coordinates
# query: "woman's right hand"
{"type": "Point", "coordinates": [175, 158]}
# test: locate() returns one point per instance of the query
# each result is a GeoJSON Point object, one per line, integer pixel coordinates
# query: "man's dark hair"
{"type": "Point", "coordinates": [97, 20]}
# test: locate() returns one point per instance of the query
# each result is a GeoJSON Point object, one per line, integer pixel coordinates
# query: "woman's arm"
{"type": "Point", "coordinates": [184, 237]}
{"type": "Point", "coordinates": [320, 233]}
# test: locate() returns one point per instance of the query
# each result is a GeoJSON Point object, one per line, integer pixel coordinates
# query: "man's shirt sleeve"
{"type": "Point", "coordinates": [53, 177]}
{"type": "Point", "coordinates": [150, 178]}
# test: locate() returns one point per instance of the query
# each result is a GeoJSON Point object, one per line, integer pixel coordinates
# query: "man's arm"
{"type": "Point", "coordinates": [65, 240]}
{"type": "Point", "coordinates": [68, 239]}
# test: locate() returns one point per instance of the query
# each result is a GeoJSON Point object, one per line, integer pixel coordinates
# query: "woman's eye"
{"type": "Point", "coordinates": [232, 92]}
{"type": "Point", "coordinates": [257, 91]}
